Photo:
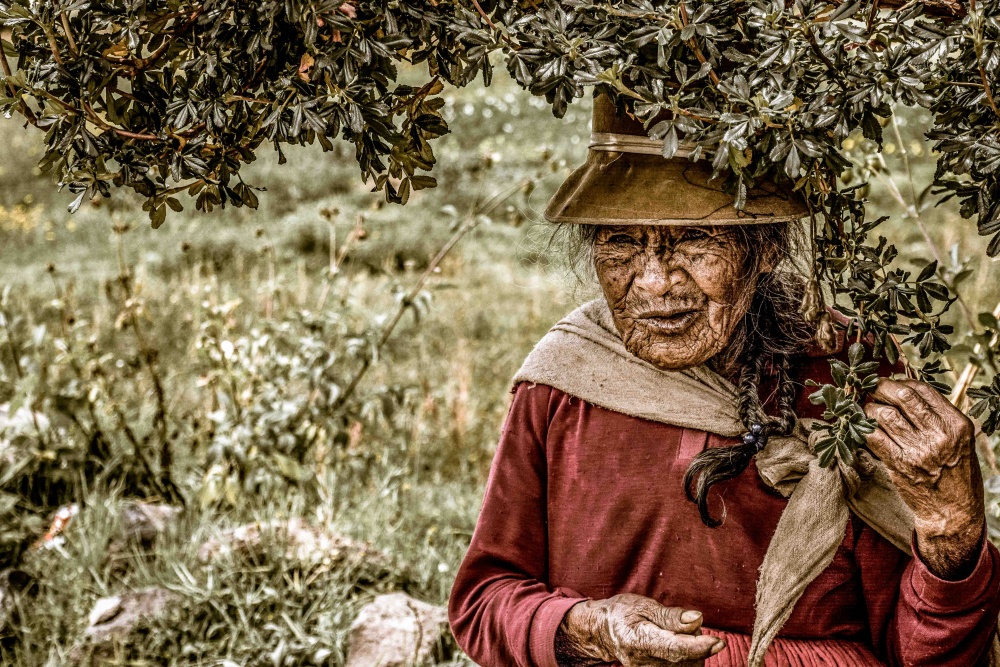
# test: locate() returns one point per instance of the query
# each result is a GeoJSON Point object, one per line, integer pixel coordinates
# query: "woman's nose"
{"type": "Point", "coordinates": [659, 273]}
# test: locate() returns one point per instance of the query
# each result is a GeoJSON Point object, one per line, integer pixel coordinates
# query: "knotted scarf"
{"type": "Point", "coordinates": [583, 355]}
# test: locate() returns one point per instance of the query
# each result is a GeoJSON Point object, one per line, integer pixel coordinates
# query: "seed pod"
{"type": "Point", "coordinates": [826, 334]}
{"type": "Point", "coordinates": [812, 302]}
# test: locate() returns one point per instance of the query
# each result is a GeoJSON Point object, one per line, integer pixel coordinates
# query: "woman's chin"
{"type": "Point", "coordinates": [675, 356]}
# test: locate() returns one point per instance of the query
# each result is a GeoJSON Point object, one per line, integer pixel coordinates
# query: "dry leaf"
{"type": "Point", "coordinates": [305, 64]}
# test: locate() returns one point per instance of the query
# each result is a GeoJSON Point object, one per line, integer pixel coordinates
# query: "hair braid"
{"type": "Point", "coordinates": [717, 464]}
{"type": "Point", "coordinates": [787, 393]}
{"type": "Point", "coordinates": [773, 332]}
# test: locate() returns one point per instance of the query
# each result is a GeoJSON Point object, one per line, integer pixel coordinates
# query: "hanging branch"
{"type": "Point", "coordinates": [471, 222]}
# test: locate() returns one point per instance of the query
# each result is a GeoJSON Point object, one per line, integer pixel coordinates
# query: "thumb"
{"type": "Point", "coordinates": [676, 619]}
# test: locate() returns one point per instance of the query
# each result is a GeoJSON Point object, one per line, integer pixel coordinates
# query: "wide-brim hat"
{"type": "Point", "coordinates": [627, 181]}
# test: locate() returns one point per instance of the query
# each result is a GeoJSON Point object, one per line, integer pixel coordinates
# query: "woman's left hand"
{"type": "Point", "coordinates": [928, 446]}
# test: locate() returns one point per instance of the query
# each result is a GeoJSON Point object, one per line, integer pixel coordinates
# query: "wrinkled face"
{"type": "Point", "coordinates": [677, 293]}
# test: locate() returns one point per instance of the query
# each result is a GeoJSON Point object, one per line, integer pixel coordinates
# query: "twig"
{"type": "Point", "coordinates": [136, 445]}
{"type": "Point", "coordinates": [988, 90]}
{"type": "Point", "coordinates": [959, 398]}
{"type": "Point", "coordinates": [337, 256]}
{"type": "Point", "coordinates": [685, 112]}
{"type": "Point", "coordinates": [915, 212]}
{"type": "Point", "coordinates": [822, 56]}
{"type": "Point", "coordinates": [16, 355]}
{"type": "Point", "coordinates": [69, 34]}
{"type": "Point", "coordinates": [958, 394]}
{"type": "Point", "coordinates": [485, 16]}
{"type": "Point", "coordinates": [25, 109]}
{"type": "Point", "coordinates": [697, 51]}
{"type": "Point", "coordinates": [493, 26]}
{"type": "Point", "coordinates": [100, 122]}
{"type": "Point", "coordinates": [471, 222]}
{"type": "Point", "coordinates": [982, 71]}
{"type": "Point", "coordinates": [146, 63]}
{"type": "Point", "coordinates": [53, 45]}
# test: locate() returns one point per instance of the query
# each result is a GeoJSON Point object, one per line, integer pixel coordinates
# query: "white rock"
{"type": "Point", "coordinates": [303, 542]}
{"type": "Point", "coordinates": [115, 617]}
{"type": "Point", "coordinates": [397, 631]}
{"type": "Point", "coordinates": [104, 610]}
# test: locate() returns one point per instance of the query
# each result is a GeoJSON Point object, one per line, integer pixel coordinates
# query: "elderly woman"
{"type": "Point", "coordinates": [687, 376]}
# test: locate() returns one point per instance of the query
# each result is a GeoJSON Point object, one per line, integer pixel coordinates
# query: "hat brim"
{"type": "Point", "coordinates": [641, 189]}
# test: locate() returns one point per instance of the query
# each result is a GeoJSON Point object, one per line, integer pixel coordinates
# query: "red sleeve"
{"type": "Point", "coordinates": [918, 619]}
{"type": "Point", "coordinates": [502, 612]}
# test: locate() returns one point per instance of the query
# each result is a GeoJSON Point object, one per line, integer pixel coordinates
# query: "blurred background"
{"type": "Point", "coordinates": [324, 389]}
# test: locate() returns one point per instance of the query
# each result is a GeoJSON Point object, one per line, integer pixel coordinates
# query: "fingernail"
{"type": "Point", "coordinates": [690, 616]}
{"type": "Point", "coordinates": [719, 645]}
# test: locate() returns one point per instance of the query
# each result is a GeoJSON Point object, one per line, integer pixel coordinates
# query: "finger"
{"type": "Point", "coordinates": [909, 401]}
{"type": "Point", "coordinates": [884, 448]}
{"type": "Point", "coordinates": [933, 397]}
{"type": "Point", "coordinates": [674, 647]}
{"type": "Point", "coordinates": [949, 417]}
{"type": "Point", "coordinates": [890, 421]}
{"type": "Point", "coordinates": [675, 619]}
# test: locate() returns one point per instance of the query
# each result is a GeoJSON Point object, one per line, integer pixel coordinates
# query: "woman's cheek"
{"type": "Point", "coordinates": [717, 276]}
{"type": "Point", "coordinates": [615, 276]}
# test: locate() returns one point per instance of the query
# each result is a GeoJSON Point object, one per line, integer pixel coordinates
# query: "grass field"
{"type": "Point", "coordinates": [253, 324]}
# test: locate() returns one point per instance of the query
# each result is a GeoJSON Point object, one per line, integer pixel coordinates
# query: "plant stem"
{"type": "Point", "coordinates": [470, 223]}
{"type": "Point", "coordinates": [97, 120]}
{"type": "Point", "coordinates": [16, 355]}
{"type": "Point", "coordinates": [697, 51]}
{"type": "Point", "coordinates": [69, 34]}
{"type": "Point", "coordinates": [914, 212]}
{"type": "Point", "coordinates": [97, 436]}
{"type": "Point", "coordinates": [148, 358]}
{"type": "Point", "coordinates": [493, 26]}
{"type": "Point", "coordinates": [982, 71]}
{"type": "Point", "coordinates": [959, 393]}
{"type": "Point", "coordinates": [25, 109]}
{"type": "Point", "coordinates": [53, 45]}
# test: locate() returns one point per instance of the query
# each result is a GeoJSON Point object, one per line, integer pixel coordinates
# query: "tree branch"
{"type": "Point", "coordinates": [697, 51]}
{"type": "Point", "coordinates": [69, 34]}
{"type": "Point", "coordinates": [104, 125]}
{"type": "Point", "coordinates": [25, 109]}
{"type": "Point", "coordinates": [471, 222]}
{"type": "Point", "coordinates": [493, 26]}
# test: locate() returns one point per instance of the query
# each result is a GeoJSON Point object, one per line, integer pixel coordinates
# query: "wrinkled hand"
{"type": "Point", "coordinates": [928, 446]}
{"type": "Point", "coordinates": [637, 631]}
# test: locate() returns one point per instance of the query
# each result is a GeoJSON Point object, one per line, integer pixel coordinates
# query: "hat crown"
{"type": "Point", "coordinates": [607, 120]}
{"type": "Point", "coordinates": [626, 180]}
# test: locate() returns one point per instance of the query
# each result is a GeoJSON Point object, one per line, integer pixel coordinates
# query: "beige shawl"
{"type": "Point", "coordinates": [583, 355]}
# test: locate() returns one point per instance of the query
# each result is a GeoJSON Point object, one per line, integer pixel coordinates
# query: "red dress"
{"type": "Point", "coordinates": [584, 502]}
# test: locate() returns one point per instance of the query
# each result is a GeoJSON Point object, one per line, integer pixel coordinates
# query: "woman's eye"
{"type": "Point", "coordinates": [695, 235]}
{"type": "Point", "coordinates": [621, 239]}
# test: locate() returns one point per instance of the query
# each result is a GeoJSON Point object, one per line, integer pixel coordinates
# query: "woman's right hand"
{"type": "Point", "coordinates": [636, 631]}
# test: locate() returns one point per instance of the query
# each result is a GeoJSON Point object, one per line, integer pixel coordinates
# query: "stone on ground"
{"type": "Point", "coordinates": [115, 618]}
{"type": "Point", "coordinates": [397, 631]}
{"type": "Point", "coordinates": [304, 543]}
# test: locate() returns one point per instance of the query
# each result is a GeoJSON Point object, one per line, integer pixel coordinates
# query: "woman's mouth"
{"type": "Point", "coordinates": [670, 322]}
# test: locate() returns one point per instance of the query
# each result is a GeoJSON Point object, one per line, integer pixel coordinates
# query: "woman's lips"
{"type": "Point", "coordinates": [670, 323]}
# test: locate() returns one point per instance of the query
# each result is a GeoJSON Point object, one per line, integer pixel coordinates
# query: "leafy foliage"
{"type": "Point", "coordinates": [273, 407]}
{"type": "Point", "coordinates": [857, 377]}
{"type": "Point", "coordinates": [282, 407]}
{"type": "Point", "coordinates": [172, 96]}
{"type": "Point", "coordinates": [988, 399]}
